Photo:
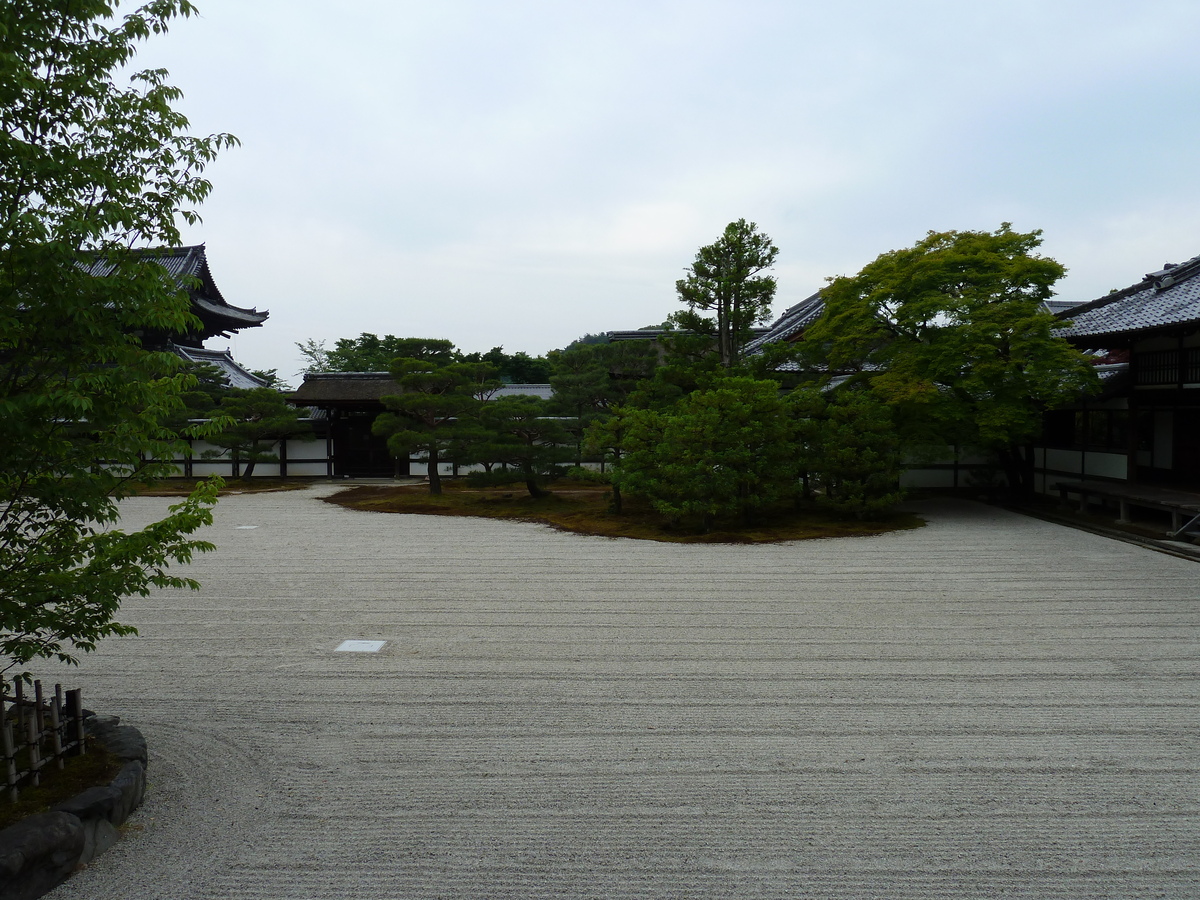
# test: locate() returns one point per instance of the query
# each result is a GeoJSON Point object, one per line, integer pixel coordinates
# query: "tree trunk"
{"type": "Point", "coordinates": [531, 485]}
{"type": "Point", "coordinates": [616, 499]}
{"type": "Point", "coordinates": [724, 337]}
{"type": "Point", "coordinates": [435, 477]}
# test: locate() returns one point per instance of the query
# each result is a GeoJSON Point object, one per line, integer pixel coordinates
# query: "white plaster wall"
{"type": "Point", "coordinates": [317, 469]}
{"type": "Point", "coordinates": [199, 448]}
{"type": "Point", "coordinates": [1065, 461]}
{"type": "Point", "coordinates": [305, 448]}
{"type": "Point", "coordinates": [1107, 465]}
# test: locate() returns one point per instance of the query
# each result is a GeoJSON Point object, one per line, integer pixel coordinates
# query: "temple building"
{"type": "Point", "coordinates": [218, 318]}
{"type": "Point", "coordinates": [1144, 426]}
{"type": "Point", "coordinates": [347, 403]}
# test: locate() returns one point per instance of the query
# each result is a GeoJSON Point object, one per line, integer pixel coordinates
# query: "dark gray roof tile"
{"type": "Point", "coordinates": [791, 324]}
{"type": "Point", "coordinates": [1166, 298]}
{"type": "Point", "coordinates": [192, 262]}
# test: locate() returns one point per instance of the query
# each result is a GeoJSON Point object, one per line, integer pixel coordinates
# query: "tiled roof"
{"type": "Point", "coordinates": [1166, 298]}
{"type": "Point", "coordinates": [641, 334]}
{"type": "Point", "coordinates": [653, 334]}
{"type": "Point", "coordinates": [235, 375]}
{"type": "Point", "coordinates": [524, 390]}
{"type": "Point", "coordinates": [1054, 307]}
{"type": "Point", "coordinates": [368, 387]}
{"type": "Point", "coordinates": [791, 324]}
{"type": "Point", "coordinates": [192, 262]}
{"type": "Point", "coordinates": [344, 387]}
{"type": "Point", "coordinates": [1112, 371]}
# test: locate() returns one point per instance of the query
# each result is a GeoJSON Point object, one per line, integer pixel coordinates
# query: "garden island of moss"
{"type": "Point", "coordinates": [586, 508]}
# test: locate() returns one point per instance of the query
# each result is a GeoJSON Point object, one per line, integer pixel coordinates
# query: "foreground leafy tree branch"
{"type": "Point", "coordinates": [88, 169]}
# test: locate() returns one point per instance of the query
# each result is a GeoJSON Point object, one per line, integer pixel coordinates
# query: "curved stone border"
{"type": "Point", "coordinates": [42, 851]}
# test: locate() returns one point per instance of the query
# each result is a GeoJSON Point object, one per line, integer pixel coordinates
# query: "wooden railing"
{"type": "Point", "coordinates": [38, 731]}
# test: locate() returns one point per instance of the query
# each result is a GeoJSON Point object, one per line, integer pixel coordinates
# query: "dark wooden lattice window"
{"type": "Point", "coordinates": [1191, 366]}
{"type": "Point", "coordinates": [1157, 367]}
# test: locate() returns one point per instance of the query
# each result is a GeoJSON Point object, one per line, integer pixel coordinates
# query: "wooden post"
{"type": "Point", "coordinates": [75, 704]}
{"type": "Point", "coordinates": [39, 708]}
{"type": "Point", "coordinates": [35, 758]}
{"type": "Point", "coordinates": [56, 725]}
{"type": "Point", "coordinates": [20, 704]}
{"type": "Point", "coordinates": [10, 758]}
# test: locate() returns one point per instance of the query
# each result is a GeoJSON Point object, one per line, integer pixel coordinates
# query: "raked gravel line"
{"type": "Point", "coordinates": [991, 706]}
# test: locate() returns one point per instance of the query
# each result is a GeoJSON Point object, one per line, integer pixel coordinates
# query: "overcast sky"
{"type": "Point", "coordinates": [520, 173]}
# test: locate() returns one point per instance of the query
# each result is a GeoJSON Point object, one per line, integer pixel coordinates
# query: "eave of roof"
{"type": "Point", "coordinates": [344, 387]}
{"type": "Point", "coordinates": [186, 263]}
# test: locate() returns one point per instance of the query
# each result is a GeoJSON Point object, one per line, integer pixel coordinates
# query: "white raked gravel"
{"type": "Point", "coordinates": [990, 706]}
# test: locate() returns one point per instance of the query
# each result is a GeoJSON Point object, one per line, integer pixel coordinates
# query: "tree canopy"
{"type": "Point", "coordinates": [519, 432]}
{"type": "Point", "coordinates": [953, 332]}
{"type": "Point", "coordinates": [726, 279]}
{"type": "Point", "coordinates": [434, 412]}
{"type": "Point", "coordinates": [371, 353]}
{"type": "Point", "coordinates": [590, 379]}
{"type": "Point", "coordinates": [257, 419]}
{"type": "Point", "coordinates": [91, 167]}
{"type": "Point", "coordinates": [727, 449]}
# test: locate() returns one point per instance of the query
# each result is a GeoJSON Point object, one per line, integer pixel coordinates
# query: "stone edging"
{"type": "Point", "coordinates": [42, 851]}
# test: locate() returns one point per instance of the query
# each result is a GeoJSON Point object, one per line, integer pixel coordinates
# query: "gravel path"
{"type": "Point", "coordinates": [988, 706]}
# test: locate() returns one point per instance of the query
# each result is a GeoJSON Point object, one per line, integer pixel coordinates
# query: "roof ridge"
{"type": "Point", "coordinates": [1171, 273]}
